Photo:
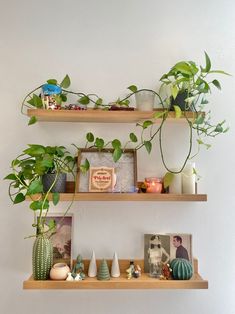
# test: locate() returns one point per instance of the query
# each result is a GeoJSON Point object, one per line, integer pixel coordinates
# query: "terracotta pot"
{"type": "Point", "coordinates": [59, 271]}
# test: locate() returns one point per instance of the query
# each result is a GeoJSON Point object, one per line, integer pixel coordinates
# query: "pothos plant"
{"type": "Point", "coordinates": [184, 76]}
{"type": "Point", "coordinates": [27, 171]}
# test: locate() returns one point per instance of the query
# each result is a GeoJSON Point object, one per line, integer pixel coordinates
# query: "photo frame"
{"type": "Point", "coordinates": [62, 239]}
{"type": "Point", "coordinates": [125, 169]}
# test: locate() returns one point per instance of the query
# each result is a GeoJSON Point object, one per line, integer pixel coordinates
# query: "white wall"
{"type": "Point", "coordinates": [105, 46]}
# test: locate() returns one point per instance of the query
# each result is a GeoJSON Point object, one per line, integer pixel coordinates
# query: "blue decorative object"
{"type": "Point", "coordinates": [182, 269]}
{"type": "Point", "coordinates": [50, 89]}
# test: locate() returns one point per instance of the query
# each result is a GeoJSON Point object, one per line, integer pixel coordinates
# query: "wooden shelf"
{"type": "Point", "coordinates": [129, 197]}
{"type": "Point", "coordinates": [100, 116]}
{"type": "Point", "coordinates": [144, 282]}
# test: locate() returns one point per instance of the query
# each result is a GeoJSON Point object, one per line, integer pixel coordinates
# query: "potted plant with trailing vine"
{"type": "Point", "coordinates": [26, 181]}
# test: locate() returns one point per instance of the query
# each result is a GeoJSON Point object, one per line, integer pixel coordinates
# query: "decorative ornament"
{"type": "Point", "coordinates": [70, 277]}
{"type": "Point", "coordinates": [166, 272]}
{"type": "Point", "coordinates": [103, 272]}
{"type": "Point", "coordinates": [59, 271]}
{"type": "Point", "coordinates": [92, 270]}
{"type": "Point", "coordinates": [115, 270]}
{"type": "Point", "coordinates": [78, 267]}
{"type": "Point", "coordinates": [182, 269]}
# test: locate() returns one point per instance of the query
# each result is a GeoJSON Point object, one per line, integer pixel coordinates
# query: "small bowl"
{"type": "Point", "coordinates": [59, 271]}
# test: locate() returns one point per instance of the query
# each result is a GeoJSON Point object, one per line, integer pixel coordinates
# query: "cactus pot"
{"type": "Point", "coordinates": [181, 269]}
{"type": "Point", "coordinates": [42, 257]}
{"type": "Point", "coordinates": [60, 184]}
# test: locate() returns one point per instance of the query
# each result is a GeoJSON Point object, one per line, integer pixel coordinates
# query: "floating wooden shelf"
{"type": "Point", "coordinates": [144, 282]}
{"type": "Point", "coordinates": [129, 197]}
{"type": "Point", "coordinates": [100, 116]}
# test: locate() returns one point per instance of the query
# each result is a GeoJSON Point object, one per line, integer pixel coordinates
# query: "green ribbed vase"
{"type": "Point", "coordinates": [42, 257]}
{"type": "Point", "coordinates": [182, 269]}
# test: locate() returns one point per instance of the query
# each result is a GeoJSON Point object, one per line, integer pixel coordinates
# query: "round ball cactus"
{"type": "Point", "coordinates": [42, 257]}
{"type": "Point", "coordinates": [182, 269]}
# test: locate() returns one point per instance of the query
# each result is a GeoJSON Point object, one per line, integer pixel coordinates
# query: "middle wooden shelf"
{"type": "Point", "coordinates": [127, 197]}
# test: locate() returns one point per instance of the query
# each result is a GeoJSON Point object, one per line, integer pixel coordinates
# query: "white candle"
{"type": "Point", "coordinates": [176, 184]}
{"type": "Point", "coordinates": [188, 179]}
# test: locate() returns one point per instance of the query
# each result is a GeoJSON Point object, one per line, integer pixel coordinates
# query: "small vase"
{"type": "Point", "coordinates": [60, 184]}
{"type": "Point", "coordinates": [59, 271]}
{"type": "Point", "coordinates": [42, 257]}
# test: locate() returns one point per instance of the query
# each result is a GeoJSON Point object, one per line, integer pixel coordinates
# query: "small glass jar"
{"type": "Point", "coordinates": [144, 100]}
{"type": "Point", "coordinates": [153, 185]}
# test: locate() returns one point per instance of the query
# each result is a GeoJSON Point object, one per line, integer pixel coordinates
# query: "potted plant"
{"type": "Point", "coordinates": [187, 84]}
{"type": "Point", "coordinates": [26, 180]}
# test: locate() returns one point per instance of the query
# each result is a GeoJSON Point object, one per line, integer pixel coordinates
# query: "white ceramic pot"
{"type": "Point", "coordinates": [59, 271]}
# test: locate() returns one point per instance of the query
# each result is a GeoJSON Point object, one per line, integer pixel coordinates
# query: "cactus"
{"type": "Point", "coordinates": [181, 269]}
{"type": "Point", "coordinates": [42, 257]}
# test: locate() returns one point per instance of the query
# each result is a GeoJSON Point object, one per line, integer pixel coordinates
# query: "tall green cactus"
{"type": "Point", "coordinates": [42, 257]}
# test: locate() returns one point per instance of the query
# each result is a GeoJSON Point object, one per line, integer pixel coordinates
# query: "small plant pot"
{"type": "Point", "coordinates": [59, 271]}
{"type": "Point", "coordinates": [144, 100]}
{"type": "Point", "coordinates": [180, 102]}
{"type": "Point", "coordinates": [60, 184]}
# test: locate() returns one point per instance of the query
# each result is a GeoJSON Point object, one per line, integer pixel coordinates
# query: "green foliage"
{"type": "Point", "coordinates": [167, 180]}
{"type": "Point", "coordinates": [85, 167]}
{"type": "Point", "coordinates": [84, 100]}
{"type": "Point", "coordinates": [55, 198]}
{"type": "Point", "coordinates": [132, 88]}
{"type": "Point", "coordinates": [117, 154]}
{"type": "Point", "coordinates": [32, 120]}
{"type": "Point", "coordinates": [148, 146]}
{"type": "Point", "coordinates": [133, 137]}
{"type": "Point", "coordinates": [178, 111]}
{"type": "Point", "coordinates": [52, 81]}
{"type": "Point", "coordinates": [90, 137]}
{"type": "Point", "coordinates": [65, 82]}
{"type": "Point", "coordinates": [35, 101]}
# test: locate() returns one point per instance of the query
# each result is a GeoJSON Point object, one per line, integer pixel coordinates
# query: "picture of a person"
{"type": "Point", "coordinates": [181, 252]}
{"type": "Point", "coordinates": [156, 252]}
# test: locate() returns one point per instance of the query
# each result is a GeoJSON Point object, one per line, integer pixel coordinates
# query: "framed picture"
{"type": "Point", "coordinates": [167, 247]}
{"type": "Point", "coordinates": [62, 239]}
{"type": "Point", "coordinates": [125, 170]}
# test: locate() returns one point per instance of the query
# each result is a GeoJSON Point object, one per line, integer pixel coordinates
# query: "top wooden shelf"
{"type": "Point", "coordinates": [101, 116]}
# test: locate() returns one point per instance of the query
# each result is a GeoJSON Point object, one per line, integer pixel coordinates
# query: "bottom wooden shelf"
{"type": "Point", "coordinates": [144, 282]}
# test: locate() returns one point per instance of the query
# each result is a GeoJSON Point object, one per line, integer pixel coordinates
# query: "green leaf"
{"type": "Point", "coordinates": [216, 83]}
{"type": "Point", "coordinates": [174, 91]}
{"type": "Point", "coordinates": [52, 225]}
{"type": "Point", "coordinates": [19, 198]}
{"type": "Point", "coordinates": [35, 187]}
{"type": "Point", "coordinates": [117, 154]}
{"type": "Point", "coordinates": [63, 97]}
{"type": "Point", "coordinates": [35, 101]}
{"type": "Point", "coordinates": [90, 137]}
{"type": "Point", "coordinates": [99, 143]}
{"type": "Point", "coordinates": [35, 150]}
{"type": "Point", "coordinates": [66, 82]}
{"type": "Point", "coordinates": [38, 205]}
{"type": "Point", "coordinates": [178, 112]}
{"type": "Point", "coordinates": [204, 101]}
{"type": "Point", "coordinates": [85, 167]}
{"type": "Point", "coordinates": [200, 119]}
{"type": "Point", "coordinates": [148, 146]}
{"type": "Point", "coordinates": [52, 81]}
{"type": "Point", "coordinates": [159, 114]}
{"type": "Point", "coordinates": [226, 130]}
{"type": "Point", "coordinates": [58, 99]}
{"type": "Point", "coordinates": [116, 143]}
{"type": "Point", "coordinates": [218, 129]}
{"type": "Point", "coordinates": [32, 120]}
{"type": "Point", "coordinates": [200, 142]}
{"type": "Point", "coordinates": [99, 102]}
{"type": "Point", "coordinates": [132, 88]}
{"type": "Point", "coordinates": [220, 72]}
{"type": "Point", "coordinates": [10, 176]}
{"type": "Point", "coordinates": [133, 137]}
{"type": "Point", "coordinates": [146, 124]}
{"type": "Point", "coordinates": [167, 180]}
{"type": "Point", "coordinates": [84, 100]}
{"type": "Point", "coordinates": [208, 63]}
{"type": "Point", "coordinates": [55, 198]}
{"type": "Point", "coordinates": [183, 67]}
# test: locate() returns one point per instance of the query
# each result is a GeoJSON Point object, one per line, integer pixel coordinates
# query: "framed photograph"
{"type": "Point", "coordinates": [166, 247]}
{"type": "Point", "coordinates": [124, 171]}
{"type": "Point", "coordinates": [62, 239]}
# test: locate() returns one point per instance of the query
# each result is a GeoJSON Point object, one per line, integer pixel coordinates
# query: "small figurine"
{"type": "Point", "coordinates": [115, 270]}
{"type": "Point", "coordinates": [166, 272]}
{"type": "Point", "coordinates": [70, 277]}
{"type": "Point", "coordinates": [78, 277]}
{"type": "Point", "coordinates": [78, 267]}
{"type": "Point", "coordinates": [134, 271]}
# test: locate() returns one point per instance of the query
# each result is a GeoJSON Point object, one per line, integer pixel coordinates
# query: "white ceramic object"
{"type": "Point", "coordinates": [70, 277]}
{"type": "Point", "coordinates": [188, 179]}
{"type": "Point", "coordinates": [92, 270]}
{"type": "Point", "coordinates": [115, 270]}
{"type": "Point", "coordinates": [59, 271]}
{"type": "Point", "coordinates": [78, 278]}
{"type": "Point", "coordinates": [176, 184]}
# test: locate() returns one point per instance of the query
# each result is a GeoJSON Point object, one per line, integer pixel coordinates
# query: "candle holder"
{"type": "Point", "coordinates": [153, 185]}
{"type": "Point", "coordinates": [144, 100]}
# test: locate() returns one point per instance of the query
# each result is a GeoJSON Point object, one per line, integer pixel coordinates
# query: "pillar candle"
{"type": "Point", "coordinates": [176, 184]}
{"type": "Point", "coordinates": [188, 179]}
